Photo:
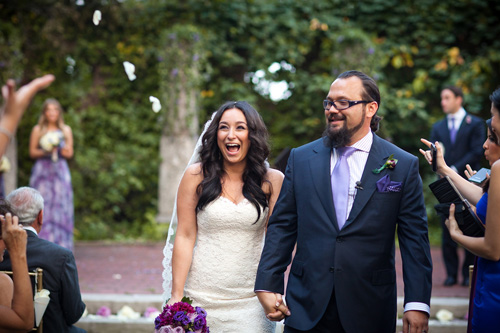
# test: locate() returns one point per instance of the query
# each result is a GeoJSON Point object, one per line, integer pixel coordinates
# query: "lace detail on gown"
{"type": "Point", "coordinates": [225, 260]}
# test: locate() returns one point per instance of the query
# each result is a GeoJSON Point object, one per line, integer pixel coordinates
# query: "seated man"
{"type": "Point", "coordinates": [60, 275]}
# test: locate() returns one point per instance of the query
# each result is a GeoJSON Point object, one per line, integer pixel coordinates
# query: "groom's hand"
{"type": "Point", "coordinates": [415, 322]}
{"type": "Point", "coordinates": [273, 305]}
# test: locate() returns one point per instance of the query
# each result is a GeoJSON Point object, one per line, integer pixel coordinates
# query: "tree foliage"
{"type": "Point", "coordinates": [411, 48]}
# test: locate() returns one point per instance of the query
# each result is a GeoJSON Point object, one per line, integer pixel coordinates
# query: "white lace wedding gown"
{"type": "Point", "coordinates": [225, 259]}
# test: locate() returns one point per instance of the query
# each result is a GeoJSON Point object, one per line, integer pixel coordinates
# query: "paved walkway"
{"type": "Point", "coordinates": [137, 269]}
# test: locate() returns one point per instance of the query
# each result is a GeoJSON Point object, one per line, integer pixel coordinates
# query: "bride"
{"type": "Point", "coordinates": [224, 201]}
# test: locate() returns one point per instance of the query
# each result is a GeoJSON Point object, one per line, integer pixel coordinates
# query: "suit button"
{"type": "Point", "coordinates": [332, 269]}
{"type": "Point", "coordinates": [340, 239]}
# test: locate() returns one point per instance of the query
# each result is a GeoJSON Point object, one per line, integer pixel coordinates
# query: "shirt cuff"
{"type": "Point", "coordinates": [417, 306]}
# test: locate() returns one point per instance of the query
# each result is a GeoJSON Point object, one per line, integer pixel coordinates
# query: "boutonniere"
{"type": "Point", "coordinates": [389, 164]}
{"type": "Point", "coordinates": [468, 119]}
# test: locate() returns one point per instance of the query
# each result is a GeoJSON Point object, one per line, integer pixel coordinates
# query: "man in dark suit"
{"type": "Point", "coordinates": [343, 276]}
{"type": "Point", "coordinates": [60, 275]}
{"type": "Point", "coordinates": [462, 136]}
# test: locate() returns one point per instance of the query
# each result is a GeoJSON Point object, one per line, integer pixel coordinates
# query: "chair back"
{"type": "Point", "coordinates": [38, 276]}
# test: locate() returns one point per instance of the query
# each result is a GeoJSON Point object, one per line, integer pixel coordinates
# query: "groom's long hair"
{"type": "Point", "coordinates": [212, 160]}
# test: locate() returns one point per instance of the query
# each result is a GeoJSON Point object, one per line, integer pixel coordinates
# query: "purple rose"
{"type": "Point", "coordinates": [179, 316]}
{"type": "Point", "coordinates": [104, 311]}
{"type": "Point", "coordinates": [149, 311]}
{"type": "Point", "coordinates": [199, 322]}
{"type": "Point", "coordinates": [185, 321]}
{"type": "Point", "coordinates": [201, 311]}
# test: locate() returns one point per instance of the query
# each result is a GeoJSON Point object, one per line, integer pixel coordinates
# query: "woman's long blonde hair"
{"type": "Point", "coordinates": [43, 122]}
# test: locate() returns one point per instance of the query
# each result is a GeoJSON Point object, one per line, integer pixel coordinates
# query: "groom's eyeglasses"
{"type": "Point", "coordinates": [341, 104]}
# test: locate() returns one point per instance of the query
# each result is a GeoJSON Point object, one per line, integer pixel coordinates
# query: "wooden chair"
{"type": "Point", "coordinates": [38, 276]}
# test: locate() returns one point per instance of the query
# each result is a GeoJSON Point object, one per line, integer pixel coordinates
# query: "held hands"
{"type": "Point", "coordinates": [273, 305]}
{"type": "Point", "coordinates": [13, 234]}
{"type": "Point", "coordinates": [440, 163]}
{"type": "Point", "coordinates": [452, 225]}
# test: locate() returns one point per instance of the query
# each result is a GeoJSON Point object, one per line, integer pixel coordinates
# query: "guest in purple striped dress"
{"type": "Point", "coordinates": [51, 144]}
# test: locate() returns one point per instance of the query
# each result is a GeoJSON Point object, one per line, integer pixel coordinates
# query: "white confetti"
{"type": "Point", "coordinates": [97, 17]}
{"type": "Point", "coordinates": [80, 2]}
{"type": "Point", "coordinates": [156, 104]}
{"type": "Point", "coordinates": [129, 69]}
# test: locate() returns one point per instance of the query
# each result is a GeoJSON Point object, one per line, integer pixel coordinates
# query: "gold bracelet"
{"type": "Point", "coordinates": [6, 132]}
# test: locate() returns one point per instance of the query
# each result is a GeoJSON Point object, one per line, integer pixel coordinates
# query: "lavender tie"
{"type": "Point", "coordinates": [340, 184]}
{"type": "Point", "coordinates": [453, 131]}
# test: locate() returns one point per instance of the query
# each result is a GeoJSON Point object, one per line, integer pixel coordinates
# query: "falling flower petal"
{"type": "Point", "coordinates": [129, 69]}
{"type": "Point", "coordinates": [156, 103]}
{"type": "Point", "coordinates": [97, 17]}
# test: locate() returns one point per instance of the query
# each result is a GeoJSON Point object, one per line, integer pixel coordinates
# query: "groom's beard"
{"type": "Point", "coordinates": [341, 137]}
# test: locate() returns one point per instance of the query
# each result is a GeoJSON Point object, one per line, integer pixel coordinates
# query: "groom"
{"type": "Point", "coordinates": [343, 199]}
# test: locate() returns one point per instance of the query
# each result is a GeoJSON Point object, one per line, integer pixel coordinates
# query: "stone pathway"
{"type": "Point", "coordinates": [137, 268]}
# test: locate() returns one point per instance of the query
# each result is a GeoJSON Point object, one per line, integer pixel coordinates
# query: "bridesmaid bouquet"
{"type": "Point", "coordinates": [51, 140]}
{"type": "Point", "coordinates": [182, 317]}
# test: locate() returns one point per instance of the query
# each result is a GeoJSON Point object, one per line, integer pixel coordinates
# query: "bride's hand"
{"type": "Point", "coordinates": [174, 300]}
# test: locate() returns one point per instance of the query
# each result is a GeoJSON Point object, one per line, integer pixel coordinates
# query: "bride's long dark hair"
{"type": "Point", "coordinates": [212, 160]}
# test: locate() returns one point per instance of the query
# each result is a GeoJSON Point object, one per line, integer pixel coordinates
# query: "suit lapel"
{"type": "Point", "coordinates": [320, 171]}
{"type": "Point", "coordinates": [376, 159]}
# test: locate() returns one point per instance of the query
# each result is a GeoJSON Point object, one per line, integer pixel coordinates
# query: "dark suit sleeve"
{"type": "Point", "coordinates": [280, 238]}
{"type": "Point", "coordinates": [414, 241]}
{"type": "Point", "coordinates": [71, 299]}
{"type": "Point", "coordinates": [474, 151]}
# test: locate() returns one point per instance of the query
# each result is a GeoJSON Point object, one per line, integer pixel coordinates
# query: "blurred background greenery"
{"type": "Point", "coordinates": [412, 48]}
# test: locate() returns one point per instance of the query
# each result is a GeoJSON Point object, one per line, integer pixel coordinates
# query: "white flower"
{"type": "Point", "coordinates": [4, 164]}
{"type": "Point", "coordinates": [444, 315]}
{"type": "Point", "coordinates": [156, 103]}
{"type": "Point", "coordinates": [50, 140]}
{"type": "Point", "coordinates": [128, 313]}
{"type": "Point", "coordinates": [97, 17]}
{"type": "Point", "coordinates": [129, 69]}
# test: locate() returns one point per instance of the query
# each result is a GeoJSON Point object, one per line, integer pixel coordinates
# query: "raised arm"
{"type": "Point", "coordinates": [15, 103]}
{"type": "Point", "coordinates": [21, 315]}
{"type": "Point", "coordinates": [470, 191]}
{"type": "Point", "coordinates": [187, 228]}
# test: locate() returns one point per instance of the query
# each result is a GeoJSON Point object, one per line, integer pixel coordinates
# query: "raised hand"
{"type": "Point", "coordinates": [440, 162]}
{"type": "Point", "coordinates": [15, 103]}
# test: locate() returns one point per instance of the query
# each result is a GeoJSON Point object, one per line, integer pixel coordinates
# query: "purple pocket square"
{"type": "Point", "coordinates": [385, 185]}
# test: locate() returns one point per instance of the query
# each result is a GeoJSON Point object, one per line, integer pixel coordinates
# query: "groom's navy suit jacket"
{"type": "Point", "coordinates": [358, 261]}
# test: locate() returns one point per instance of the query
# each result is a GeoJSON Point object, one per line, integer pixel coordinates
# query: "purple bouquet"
{"type": "Point", "coordinates": [182, 317]}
